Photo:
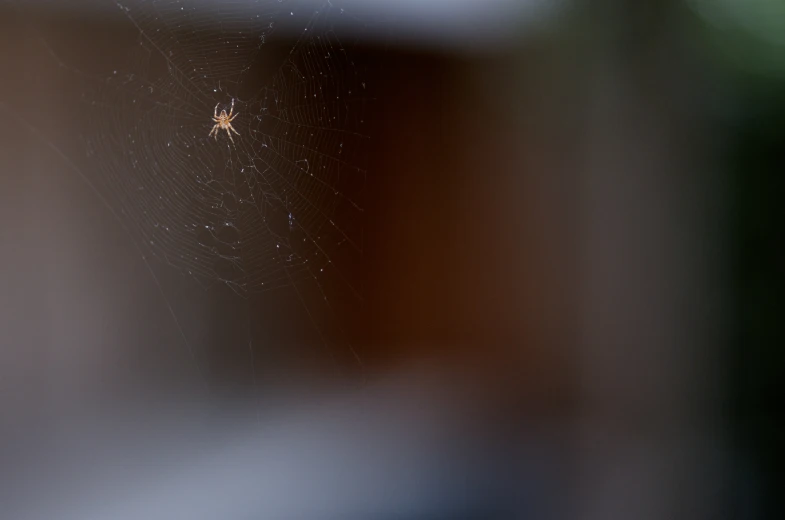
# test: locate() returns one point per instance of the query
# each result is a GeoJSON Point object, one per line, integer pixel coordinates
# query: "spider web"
{"type": "Point", "coordinates": [274, 206]}
{"type": "Point", "coordinates": [280, 206]}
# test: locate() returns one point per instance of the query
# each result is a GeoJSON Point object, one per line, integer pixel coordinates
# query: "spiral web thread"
{"type": "Point", "coordinates": [279, 204]}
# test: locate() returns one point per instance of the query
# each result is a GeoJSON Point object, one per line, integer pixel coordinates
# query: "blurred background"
{"type": "Point", "coordinates": [562, 297]}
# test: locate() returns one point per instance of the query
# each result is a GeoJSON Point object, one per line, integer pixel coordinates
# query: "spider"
{"type": "Point", "coordinates": [224, 122]}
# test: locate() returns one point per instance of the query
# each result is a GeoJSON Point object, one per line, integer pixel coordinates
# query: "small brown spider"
{"type": "Point", "coordinates": [224, 122]}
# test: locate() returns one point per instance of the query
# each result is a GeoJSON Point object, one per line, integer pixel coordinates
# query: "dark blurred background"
{"type": "Point", "coordinates": [571, 278]}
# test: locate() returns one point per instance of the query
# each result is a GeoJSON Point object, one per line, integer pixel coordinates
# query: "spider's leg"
{"type": "Point", "coordinates": [216, 109]}
{"type": "Point", "coordinates": [211, 131]}
{"type": "Point", "coordinates": [232, 118]}
{"type": "Point", "coordinates": [230, 135]}
{"type": "Point", "coordinates": [232, 109]}
{"type": "Point", "coordinates": [233, 130]}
